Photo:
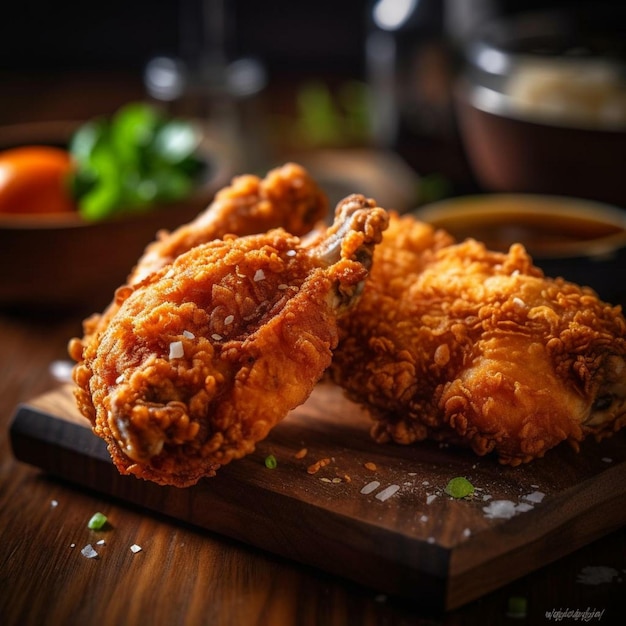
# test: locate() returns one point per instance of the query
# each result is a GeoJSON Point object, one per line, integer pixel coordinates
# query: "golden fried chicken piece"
{"type": "Point", "coordinates": [206, 355]}
{"type": "Point", "coordinates": [459, 344]}
{"type": "Point", "coordinates": [286, 198]}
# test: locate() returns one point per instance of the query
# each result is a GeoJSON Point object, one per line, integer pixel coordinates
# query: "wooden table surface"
{"type": "Point", "coordinates": [186, 576]}
{"type": "Point", "coordinates": [183, 575]}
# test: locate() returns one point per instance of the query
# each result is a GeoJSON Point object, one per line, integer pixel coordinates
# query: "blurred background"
{"type": "Point", "coordinates": [293, 75]}
{"type": "Point", "coordinates": [407, 101]}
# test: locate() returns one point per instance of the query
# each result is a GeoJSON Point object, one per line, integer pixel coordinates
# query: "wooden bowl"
{"type": "Point", "coordinates": [580, 240]}
{"type": "Point", "coordinates": [509, 153]}
{"type": "Point", "coordinates": [541, 103]}
{"type": "Point", "coordinates": [59, 262]}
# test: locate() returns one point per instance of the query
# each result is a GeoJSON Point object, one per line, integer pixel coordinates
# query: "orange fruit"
{"type": "Point", "coordinates": [33, 179]}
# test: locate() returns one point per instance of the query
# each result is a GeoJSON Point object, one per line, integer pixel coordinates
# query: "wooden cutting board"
{"type": "Point", "coordinates": [418, 543]}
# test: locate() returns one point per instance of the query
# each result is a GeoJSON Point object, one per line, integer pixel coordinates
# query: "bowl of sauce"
{"type": "Point", "coordinates": [581, 240]}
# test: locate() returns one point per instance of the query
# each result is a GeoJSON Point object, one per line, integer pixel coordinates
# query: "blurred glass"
{"type": "Point", "coordinates": [206, 82]}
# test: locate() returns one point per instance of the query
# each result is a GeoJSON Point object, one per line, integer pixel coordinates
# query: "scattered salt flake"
{"type": "Point", "coordinates": [412, 473]}
{"type": "Point", "coordinates": [102, 542]}
{"type": "Point", "coordinates": [216, 337]}
{"type": "Point", "coordinates": [535, 496]}
{"type": "Point", "coordinates": [176, 350]}
{"type": "Point", "coordinates": [535, 486]}
{"type": "Point", "coordinates": [430, 498]}
{"type": "Point", "coordinates": [500, 509]}
{"type": "Point", "coordinates": [119, 379]}
{"type": "Point", "coordinates": [596, 575]}
{"type": "Point", "coordinates": [61, 371]}
{"type": "Point", "coordinates": [424, 518]}
{"type": "Point", "coordinates": [519, 302]}
{"type": "Point", "coordinates": [430, 540]}
{"type": "Point", "coordinates": [425, 483]}
{"type": "Point", "coordinates": [135, 548]}
{"type": "Point", "coordinates": [370, 487]}
{"type": "Point", "coordinates": [486, 497]}
{"type": "Point", "coordinates": [467, 532]}
{"type": "Point", "coordinates": [259, 275]}
{"type": "Point", "coordinates": [188, 334]}
{"type": "Point", "coordinates": [291, 253]}
{"type": "Point", "coordinates": [88, 552]}
{"type": "Point", "coordinates": [54, 503]}
{"type": "Point", "coordinates": [72, 545]}
{"type": "Point", "coordinates": [607, 459]}
{"type": "Point", "coordinates": [523, 507]}
{"type": "Point", "coordinates": [228, 320]}
{"type": "Point", "coordinates": [387, 492]}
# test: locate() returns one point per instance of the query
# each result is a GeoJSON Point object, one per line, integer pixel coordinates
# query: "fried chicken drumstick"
{"type": "Point", "coordinates": [203, 357]}
{"type": "Point", "coordinates": [459, 344]}
{"type": "Point", "coordinates": [286, 198]}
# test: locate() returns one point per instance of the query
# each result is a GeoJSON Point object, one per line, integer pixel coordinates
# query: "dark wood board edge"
{"type": "Point", "coordinates": [441, 576]}
{"type": "Point", "coordinates": [326, 541]}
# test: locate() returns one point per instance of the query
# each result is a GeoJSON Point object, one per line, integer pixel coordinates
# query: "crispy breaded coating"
{"type": "Point", "coordinates": [206, 355]}
{"type": "Point", "coordinates": [456, 343]}
{"type": "Point", "coordinates": [286, 198]}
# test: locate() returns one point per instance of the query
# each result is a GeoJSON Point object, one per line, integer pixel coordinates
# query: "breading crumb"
{"type": "Point", "coordinates": [313, 469]}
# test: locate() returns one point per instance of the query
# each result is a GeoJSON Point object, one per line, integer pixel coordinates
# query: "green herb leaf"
{"type": "Point", "coordinates": [176, 141]}
{"type": "Point", "coordinates": [136, 159]}
{"type": "Point", "coordinates": [85, 139]}
{"type": "Point", "coordinates": [133, 129]}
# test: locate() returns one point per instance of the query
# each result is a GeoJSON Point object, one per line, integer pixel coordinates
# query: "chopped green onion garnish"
{"type": "Point", "coordinates": [271, 462]}
{"type": "Point", "coordinates": [97, 521]}
{"type": "Point", "coordinates": [459, 487]}
{"type": "Point", "coordinates": [517, 607]}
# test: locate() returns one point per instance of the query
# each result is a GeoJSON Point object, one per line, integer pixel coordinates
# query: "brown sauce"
{"type": "Point", "coordinates": [540, 234]}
